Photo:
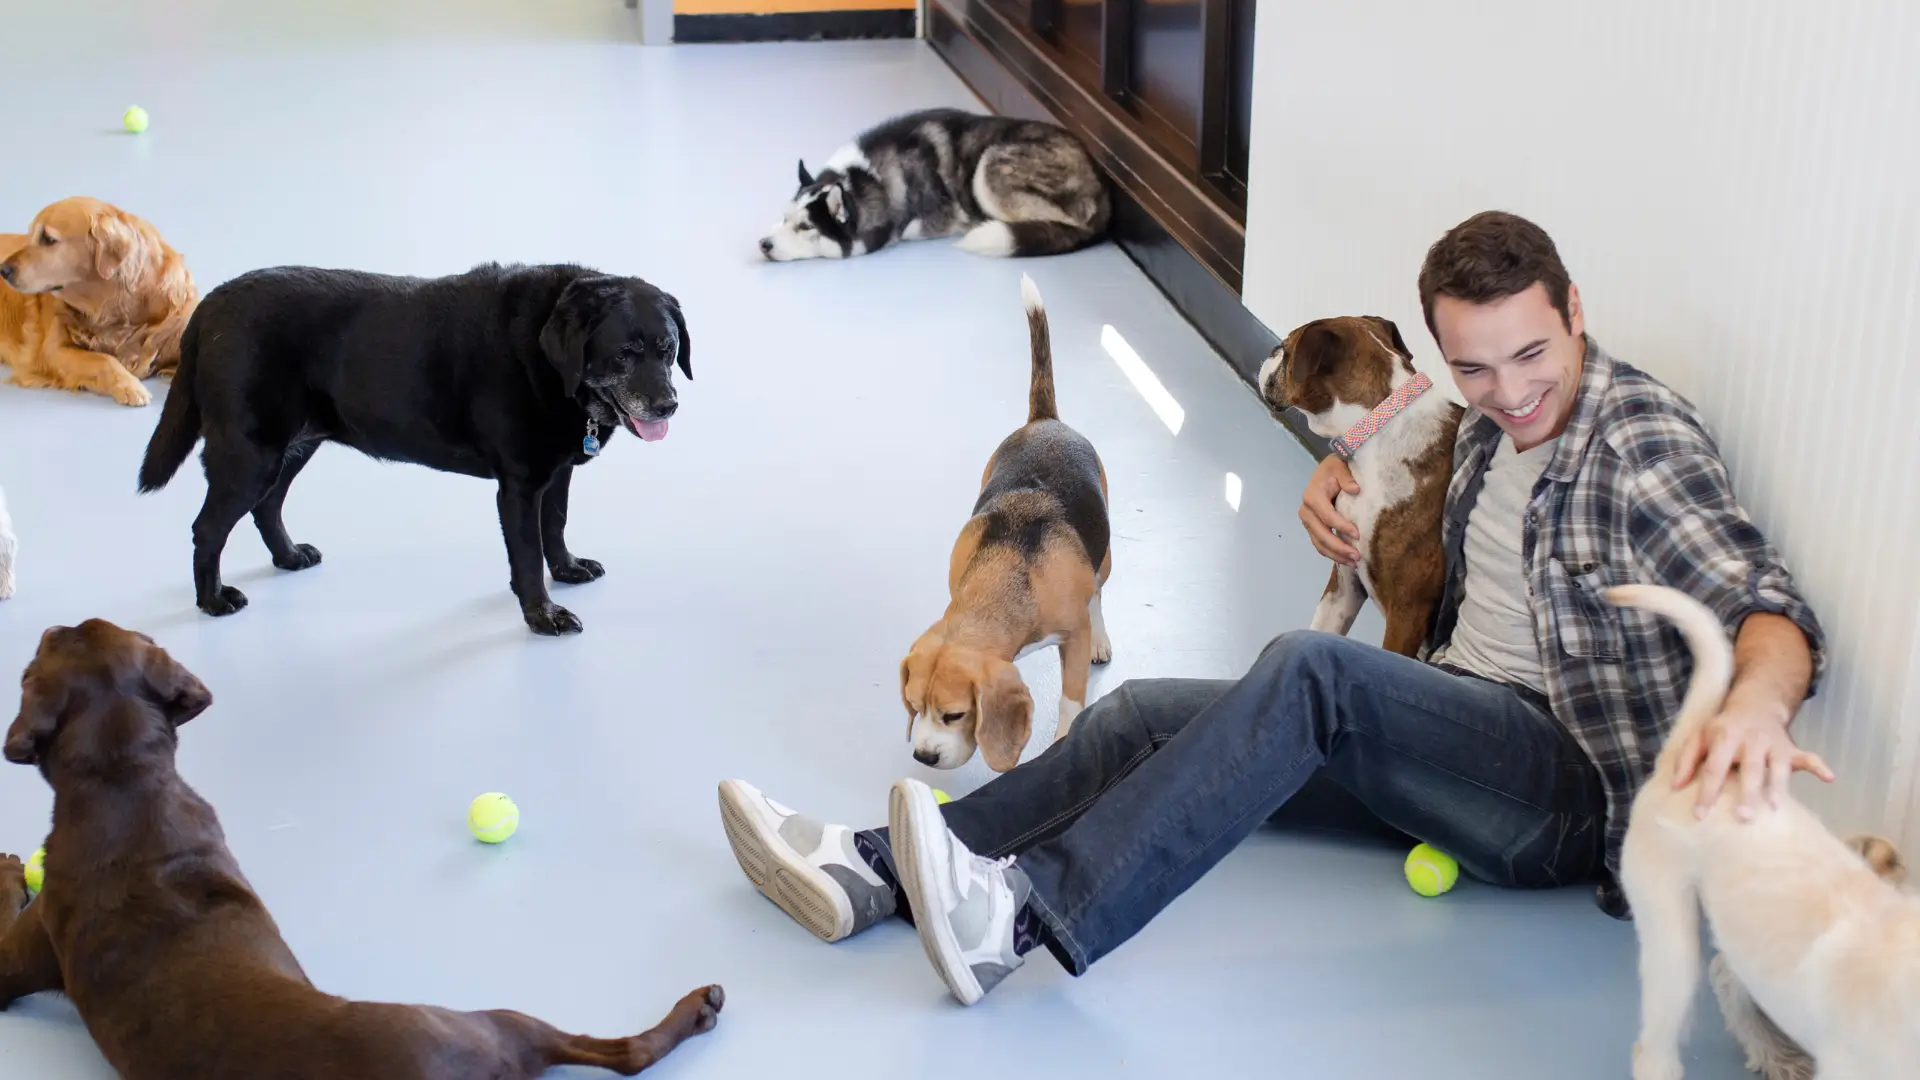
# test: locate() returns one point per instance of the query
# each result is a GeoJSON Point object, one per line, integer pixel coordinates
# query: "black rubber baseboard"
{"type": "Point", "coordinates": [794, 26]}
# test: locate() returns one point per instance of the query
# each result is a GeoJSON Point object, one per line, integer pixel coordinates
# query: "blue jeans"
{"type": "Point", "coordinates": [1159, 779]}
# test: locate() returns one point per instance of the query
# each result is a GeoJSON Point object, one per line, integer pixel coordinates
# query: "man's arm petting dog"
{"type": "Point", "coordinates": [1771, 670]}
{"type": "Point", "coordinates": [1026, 572]}
{"type": "Point", "coordinates": [172, 961]}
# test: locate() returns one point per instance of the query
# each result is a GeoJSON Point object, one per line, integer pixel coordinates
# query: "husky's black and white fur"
{"type": "Point", "coordinates": [1004, 186]}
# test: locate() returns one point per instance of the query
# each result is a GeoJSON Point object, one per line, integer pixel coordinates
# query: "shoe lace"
{"type": "Point", "coordinates": [982, 868]}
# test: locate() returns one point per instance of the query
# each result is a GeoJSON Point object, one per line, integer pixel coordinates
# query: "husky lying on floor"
{"type": "Point", "coordinates": [1004, 186]}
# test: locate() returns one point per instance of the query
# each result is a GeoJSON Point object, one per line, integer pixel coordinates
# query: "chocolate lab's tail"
{"type": "Point", "coordinates": [1712, 655]}
{"type": "Point", "coordinates": [1040, 403]}
{"type": "Point", "coordinates": [179, 426]}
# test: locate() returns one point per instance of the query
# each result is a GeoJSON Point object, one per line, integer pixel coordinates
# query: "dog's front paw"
{"type": "Point", "coordinates": [710, 1001]}
{"type": "Point", "coordinates": [13, 880]}
{"type": "Point", "coordinates": [1102, 647]}
{"type": "Point", "coordinates": [303, 556]}
{"type": "Point", "coordinates": [1650, 1066]}
{"type": "Point", "coordinates": [579, 572]}
{"type": "Point", "coordinates": [552, 620]}
{"type": "Point", "coordinates": [224, 602]}
{"type": "Point", "coordinates": [131, 393]}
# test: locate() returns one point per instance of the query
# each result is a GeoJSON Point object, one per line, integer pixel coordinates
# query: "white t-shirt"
{"type": "Point", "coordinates": [1494, 634]}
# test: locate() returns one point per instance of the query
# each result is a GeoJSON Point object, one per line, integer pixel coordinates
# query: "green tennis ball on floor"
{"type": "Point", "coordinates": [37, 870]}
{"type": "Point", "coordinates": [1431, 871]}
{"type": "Point", "coordinates": [492, 818]}
{"type": "Point", "coordinates": [941, 796]}
{"type": "Point", "coordinates": [135, 119]}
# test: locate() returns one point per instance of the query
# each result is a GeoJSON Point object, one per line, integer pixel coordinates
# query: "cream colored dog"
{"type": "Point", "coordinates": [1827, 948]}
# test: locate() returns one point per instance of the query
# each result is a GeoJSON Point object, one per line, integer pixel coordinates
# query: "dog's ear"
{"type": "Point", "coordinates": [39, 718]}
{"type": "Point", "coordinates": [114, 242]}
{"type": "Point", "coordinates": [1393, 336]}
{"type": "Point", "coordinates": [805, 179]}
{"type": "Point", "coordinates": [1882, 857]}
{"type": "Point", "coordinates": [837, 203]}
{"type": "Point", "coordinates": [177, 692]}
{"type": "Point", "coordinates": [1316, 351]}
{"type": "Point", "coordinates": [1005, 711]}
{"type": "Point", "coordinates": [564, 337]}
{"type": "Point", "coordinates": [680, 326]}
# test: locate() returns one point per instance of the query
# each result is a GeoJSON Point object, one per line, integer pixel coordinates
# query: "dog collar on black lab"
{"type": "Point", "coordinates": [1403, 395]}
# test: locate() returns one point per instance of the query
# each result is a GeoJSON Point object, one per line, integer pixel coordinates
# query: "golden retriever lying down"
{"type": "Point", "coordinates": [1815, 938]}
{"type": "Point", "coordinates": [98, 301]}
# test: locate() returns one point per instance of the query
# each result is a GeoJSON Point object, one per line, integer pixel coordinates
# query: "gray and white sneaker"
{"type": "Point", "coordinates": [808, 867]}
{"type": "Point", "coordinates": [963, 905]}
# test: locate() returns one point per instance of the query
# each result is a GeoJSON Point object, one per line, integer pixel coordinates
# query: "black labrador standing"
{"type": "Point", "coordinates": [516, 374]}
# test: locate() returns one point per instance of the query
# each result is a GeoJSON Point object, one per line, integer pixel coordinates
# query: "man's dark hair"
{"type": "Point", "coordinates": [1490, 256]}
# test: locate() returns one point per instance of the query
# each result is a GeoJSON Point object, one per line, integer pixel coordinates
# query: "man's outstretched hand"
{"type": "Point", "coordinates": [1332, 534]}
{"type": "Point", "coordinates": [1756, 740]}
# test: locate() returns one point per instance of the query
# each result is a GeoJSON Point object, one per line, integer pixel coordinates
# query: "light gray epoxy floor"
{"type": "Point", "coordinates": [768, 564]}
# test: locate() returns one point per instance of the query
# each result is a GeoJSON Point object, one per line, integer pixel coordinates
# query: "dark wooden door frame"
{"type": "Point", "coordinates": [971, 33]}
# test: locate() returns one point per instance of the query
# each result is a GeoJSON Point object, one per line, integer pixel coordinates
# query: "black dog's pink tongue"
{"type": "Point", "coordinates": [648, 430]}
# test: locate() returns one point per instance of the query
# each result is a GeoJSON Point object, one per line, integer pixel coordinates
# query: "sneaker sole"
{"type": "Point", "coordinates": [809, 896]}
{"type": "Point", "coordinates": [916, 864]}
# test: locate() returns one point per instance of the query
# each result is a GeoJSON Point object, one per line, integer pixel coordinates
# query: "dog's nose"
{"type": "Point", "coordinates": [926, 757]}
{"type": "Point", "coordinates": [663, 409]}
{"type": "Point", "coordinates": [766, 245]}
{"type": "Point", "coordinates": [6, 273]}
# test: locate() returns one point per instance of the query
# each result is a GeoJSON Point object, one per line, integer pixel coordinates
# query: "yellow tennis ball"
{"type": "Point", "coordinates": [37, 870]}
{"type": "Point", "coordinates": [492, 818]}
{"type": "Point", "coordinates": [941, 796]}
{"type": "Point", "coordinates": [1431, 871]}
{"type": "Point", "coordinates": [135, 119]}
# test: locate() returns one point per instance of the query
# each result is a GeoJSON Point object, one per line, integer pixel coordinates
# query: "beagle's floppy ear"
{"type": "Point", "coordinates": [680, 326]}
{"type": "Point", "coordinates": [1005, 711]}
{"type": "Point", "coordinates": [564, 337]}
{"type": "Point", "coordinates": [39, 718]}
{"type": "Point", "coordinates": [805, 180]}
{"type": "Point", "coordinates": [177, 692]}
{"type": "Point", "coordinates": [114, 242]}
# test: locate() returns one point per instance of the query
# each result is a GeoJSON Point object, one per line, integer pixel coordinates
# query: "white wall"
{"type": "Point", "coordinates": [1735, 186]}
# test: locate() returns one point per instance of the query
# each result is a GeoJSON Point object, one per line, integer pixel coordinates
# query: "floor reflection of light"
{"type": "Point", "coordinates": [1142, 377]}
{"type": "Point", "coordinates": [1233, 490]}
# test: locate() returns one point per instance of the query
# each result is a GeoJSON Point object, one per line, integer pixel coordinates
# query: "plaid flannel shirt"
{"type": "Point", "coordinates": [1636, 492]}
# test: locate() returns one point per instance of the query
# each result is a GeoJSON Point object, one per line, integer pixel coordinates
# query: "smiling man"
{"type": "Point", "coordinates": [1516, 747]}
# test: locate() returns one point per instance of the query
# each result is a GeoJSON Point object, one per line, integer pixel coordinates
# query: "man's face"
{"type": "Point", "coordinates": [1514, 360]}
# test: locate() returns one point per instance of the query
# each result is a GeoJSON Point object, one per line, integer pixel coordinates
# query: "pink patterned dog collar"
{"type": "Point", "coordinates": [1403, 395]}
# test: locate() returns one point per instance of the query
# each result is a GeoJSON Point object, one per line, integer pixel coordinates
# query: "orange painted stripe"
{"type": "Point", "coordinates": [781, 7]}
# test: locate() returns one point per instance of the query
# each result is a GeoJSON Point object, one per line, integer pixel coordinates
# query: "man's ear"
{"type": "Point", "coordinates": [39, 718]}
{"type": "Point", "coordinates": [1005, 711]}
{"type": "Point", "coordinates": [179, 693]}
{"type": "Point", "coordinates": [564, 337]}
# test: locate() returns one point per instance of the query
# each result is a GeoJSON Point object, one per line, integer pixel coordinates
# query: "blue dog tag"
{"type": "Point", "coordinates": [590, 445]}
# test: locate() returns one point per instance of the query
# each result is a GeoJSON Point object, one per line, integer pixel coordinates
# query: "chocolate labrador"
{"type": "Point", "coordinates": [149, 927]}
